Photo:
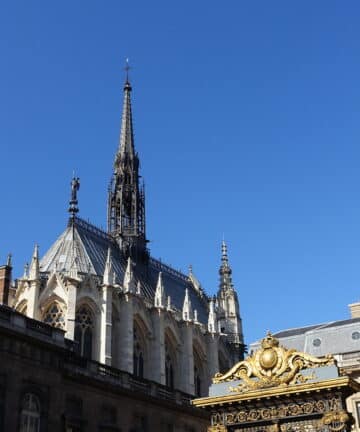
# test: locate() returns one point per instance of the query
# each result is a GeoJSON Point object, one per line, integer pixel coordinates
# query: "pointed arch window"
{"type": "Point", "coordinates": [169, 368]}
{"type": "Point", "coordinates": [54, 316]}
{"type": "Point", "coordinates": [30, 413]}
{"type": "Point", "coordinates": [138, 355]}
{"type": "Point", "coordinates": [84, 327]}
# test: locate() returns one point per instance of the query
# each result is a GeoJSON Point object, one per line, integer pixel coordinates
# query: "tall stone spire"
{"type": "Point", "coordinates": [126, 200]}
{"type": "Point", "coordinates": [126, 144]}
{"type": "Point", "coordinates": [229, 311]}
{"type": "Point", "coordinates": [225, 269]}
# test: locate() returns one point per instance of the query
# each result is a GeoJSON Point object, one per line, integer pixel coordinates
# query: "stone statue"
{"type": "Point", "coordinates": [75, 186]}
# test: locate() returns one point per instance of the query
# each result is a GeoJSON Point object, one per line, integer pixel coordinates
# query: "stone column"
{"type": "Point", "coordinates": [126, 339]}
{"type": "Point", "coordinates": [212, 346]}
{"type": "Point", "coordinates": [106, 325]}
{"type": "Point", "coordinates": [187, 359]}
{"type": "Point", "coordinates": [32, 310]}
{"type": "Point", "coordinates": [157, 354]}
{"type": "Point", "coordinates": [71, 308]}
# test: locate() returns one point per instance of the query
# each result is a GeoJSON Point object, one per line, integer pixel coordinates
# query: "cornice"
{"type": "Point", "coordinates": [277, 392]}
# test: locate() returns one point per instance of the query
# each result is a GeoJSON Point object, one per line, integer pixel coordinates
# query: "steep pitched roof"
{"type": "Point", "coordinates": [90, 245]}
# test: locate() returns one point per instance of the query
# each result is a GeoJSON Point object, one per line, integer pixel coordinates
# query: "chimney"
{"type": "Point", "coordinates": [354, 310]}
{"type": "Point", "coordinates": [5, 281]}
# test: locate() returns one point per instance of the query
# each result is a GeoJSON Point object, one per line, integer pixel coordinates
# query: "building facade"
{"type": "Point", "coordinates": [277, 389]}
{"type": "Point", "coordinates": [339, 338]}
{"type": "Point", "coordinates": [122, 307]}
{"type": "Point", "coordinates": [45, 386]}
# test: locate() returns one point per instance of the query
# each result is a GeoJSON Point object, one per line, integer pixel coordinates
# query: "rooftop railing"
{"type": "Point", "coordinates": [92, 369]}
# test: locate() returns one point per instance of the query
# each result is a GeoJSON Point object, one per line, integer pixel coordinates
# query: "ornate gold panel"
{"type": "Point", "coordinates": [272, 365]}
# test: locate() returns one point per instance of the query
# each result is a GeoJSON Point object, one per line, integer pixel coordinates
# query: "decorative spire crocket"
{"type": "Point", "coordinates": [126, 201]}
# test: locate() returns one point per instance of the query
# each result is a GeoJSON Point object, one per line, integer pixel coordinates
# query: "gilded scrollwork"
{"type": "Point", "coordinates": [336, 421]}
{"type": "Point", "coordinates": [275, 412]}
{"type": "Point", "coordinates": [217, 428]}
{"type": "Point", "coordinates": [272, 365]}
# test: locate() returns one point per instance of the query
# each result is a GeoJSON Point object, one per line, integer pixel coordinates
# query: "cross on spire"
{"type": "Point", "coordinates": [127, 68]}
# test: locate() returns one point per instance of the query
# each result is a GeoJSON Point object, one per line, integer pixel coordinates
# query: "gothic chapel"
{"type": "Point", "coordinates": [121, 306]}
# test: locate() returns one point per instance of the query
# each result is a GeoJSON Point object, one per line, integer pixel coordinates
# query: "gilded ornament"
{"type": "Point", "coordinates": [217, 428]}
{"type": "Point", "coordinates": [335, 420]}
{"type": "Point", "coordinates": [272, 365]}
{"type": "Point", "coordinates": [268, 358]}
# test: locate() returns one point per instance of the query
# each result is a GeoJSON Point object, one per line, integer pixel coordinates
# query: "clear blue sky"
{"type": "Point", "coordinates": [247, 121]}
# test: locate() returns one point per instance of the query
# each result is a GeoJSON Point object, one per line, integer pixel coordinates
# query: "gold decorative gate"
{"type": "Point", "coordinates": [279, 390]}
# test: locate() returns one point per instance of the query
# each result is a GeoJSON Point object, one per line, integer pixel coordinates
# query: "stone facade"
{"type": "Point", "coordinates": [43, 382]}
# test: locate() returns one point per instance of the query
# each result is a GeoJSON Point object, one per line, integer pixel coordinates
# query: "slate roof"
{"type": "Point", "coordinates": [90, 244]}
{"type": "Point", "coordinates": [334, 337]}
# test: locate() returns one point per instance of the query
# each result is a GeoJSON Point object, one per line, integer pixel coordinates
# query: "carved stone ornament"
{"type": "Point", "coordinates": [272, 365]}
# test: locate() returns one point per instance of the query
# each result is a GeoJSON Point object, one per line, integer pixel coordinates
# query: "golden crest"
{"type": "Point", "coordinates": [335, 420]}
{"type": "Point", "coordinates": [272, 365]}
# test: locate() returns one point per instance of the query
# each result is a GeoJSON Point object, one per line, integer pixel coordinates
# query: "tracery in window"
{"type": "Point", "coordinates": [84, 325]}
{"type": "Point", "coordinates": [30, 413]}
{"type": "Point", "coordinates": [54, 316]}
{"type": "Point", "coordinates": [138, 354]}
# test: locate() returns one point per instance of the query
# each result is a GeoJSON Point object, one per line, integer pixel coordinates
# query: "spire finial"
{"type": "Point", "coordinates": [34, 272]}
{"type": "Point", "coordinates": [223, 249]}
{"type": "Point", "coordinates": [127, 68]}
{"type": "Point", "coordinates": [73, 203]}
{"type": "Point", "coordinates": [129, 280]}
{"type": "Point", "coordinates": [225, 269]}
{"type": "Point", "coordinates": [187, 309]}
{"type": "Point", "coordinates": [109, 275]}
{"type": "Point", "coordinates": [159, 299]}
{"type": "Point", "coordinates": [8, 262]}
{"type": "Point", "coordinates": [190, 269]}
{"type": "Point", "coordinates": [26, 271]}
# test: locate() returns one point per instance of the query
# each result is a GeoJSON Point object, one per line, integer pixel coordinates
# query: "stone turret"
{"type": "Point", "coordinates": [229, 311]}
